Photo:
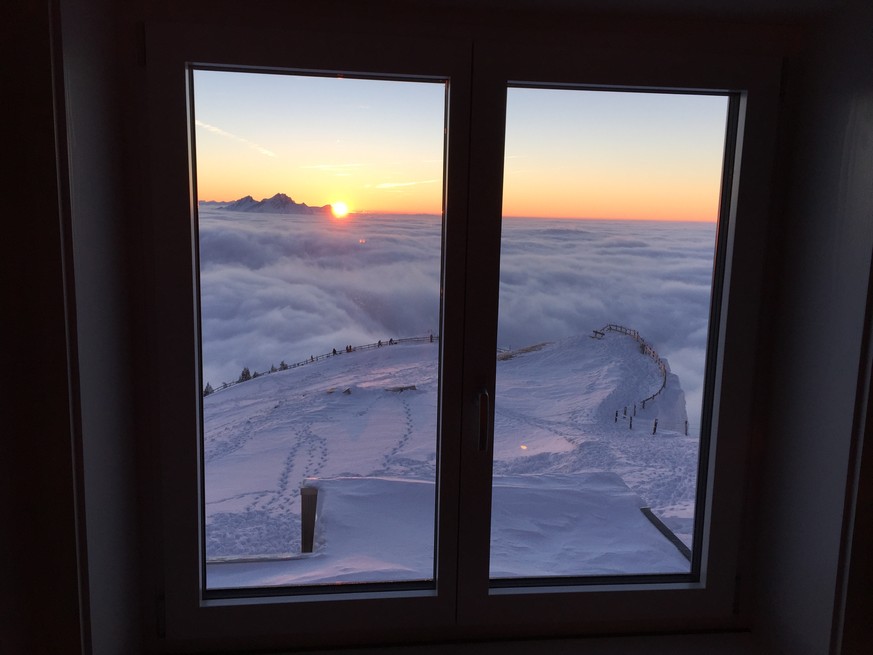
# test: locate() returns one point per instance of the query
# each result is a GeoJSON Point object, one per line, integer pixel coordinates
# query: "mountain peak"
{"type": "Point", "coordinates": [280, 203]}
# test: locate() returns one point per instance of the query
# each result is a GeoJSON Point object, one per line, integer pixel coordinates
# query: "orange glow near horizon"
{"type": "Point", "coordinates": [532, 188]}
{"type": "Point", "coordinates": [641, 207]}
{"type": "Point", "coordinates": [361, 191]}
{"type": "Point", "coordinates": [378, 145]}
{"type": "Point", "coordinates": [544, 195]}
{"type": "Point", "coordinates": [552, 195]}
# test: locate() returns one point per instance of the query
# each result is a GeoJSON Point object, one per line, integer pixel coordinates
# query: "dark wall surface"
{"type": "Point", "coordinates": [40, 558]}
{"type": "Point", "coordinates": [824, 246]}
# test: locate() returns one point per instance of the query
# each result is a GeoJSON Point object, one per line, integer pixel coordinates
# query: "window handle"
{"type": "Point", "coordinates": [484, 418]}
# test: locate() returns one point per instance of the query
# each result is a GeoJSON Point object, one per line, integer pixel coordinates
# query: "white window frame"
{"type": "Point", "coordinates": [707, 599]}
{"type": "Point", "coordinates": [461, 603]}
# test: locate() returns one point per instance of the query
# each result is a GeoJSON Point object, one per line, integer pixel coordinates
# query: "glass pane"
{"type": "Point", "coordinates": [611, 202]}
{"type": "Point", "coordinates": [320, 237]}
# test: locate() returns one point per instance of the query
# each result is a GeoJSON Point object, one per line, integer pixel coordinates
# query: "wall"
{"type": "Point", "coordinates": [40, 558]}
{"type": "Point", "coordinates": [100, 220]}
{"type": "Point", "coordinates": [824, 244]}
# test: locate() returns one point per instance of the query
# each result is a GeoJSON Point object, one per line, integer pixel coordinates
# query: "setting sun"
{"type": "Point", "coordinates": [339, 209]}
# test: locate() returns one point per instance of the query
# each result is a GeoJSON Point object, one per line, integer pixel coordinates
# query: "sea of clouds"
{"type": "Point", "coordinates": [287, 287]}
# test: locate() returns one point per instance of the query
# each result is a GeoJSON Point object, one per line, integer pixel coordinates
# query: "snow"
{"type": "Point", "coordinates": [574, 524]}
{"type": "Point", "coordinates": [569, 480]}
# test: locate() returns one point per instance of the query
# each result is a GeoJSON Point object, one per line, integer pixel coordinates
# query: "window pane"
{"type": "Point", "coordinates": [611, 201]}
{"type": "Point", "coordinates": [320, 237]}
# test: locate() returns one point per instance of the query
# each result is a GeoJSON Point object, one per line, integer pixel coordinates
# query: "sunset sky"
{"type": "Point", "coordinates": [377, 146]}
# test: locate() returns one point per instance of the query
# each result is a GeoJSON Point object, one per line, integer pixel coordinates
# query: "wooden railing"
{"type": "Point", "coordinates": [647, 349]}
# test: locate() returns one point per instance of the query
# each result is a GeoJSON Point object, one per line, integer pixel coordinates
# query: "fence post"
{"type": "Point", "coordinates": [308, 502]}
{"type": "Point", "coordinates": [655, 427]}
{"type": "Point", "coordinates": [630, 423]}
{"type": "Point", "coordinates": [686, 428]}
{"type": "Point", "coordinates": [616, 416]}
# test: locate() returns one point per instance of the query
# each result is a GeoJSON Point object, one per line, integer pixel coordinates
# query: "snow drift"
{"type": "Point", "coordinates": [569, 477]}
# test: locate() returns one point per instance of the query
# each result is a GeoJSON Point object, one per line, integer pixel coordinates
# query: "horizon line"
{"type": "Point", "coordinates": [376, 212]}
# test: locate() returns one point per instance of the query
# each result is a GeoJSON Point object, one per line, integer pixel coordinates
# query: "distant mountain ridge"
{"type": "Point", "coordinates": [278, 204]}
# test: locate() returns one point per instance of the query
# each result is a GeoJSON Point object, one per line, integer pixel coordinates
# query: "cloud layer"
{"type": "Point", "coordinates": [286, 287]}
{"type": "Point", "coordinates": [563, 278]}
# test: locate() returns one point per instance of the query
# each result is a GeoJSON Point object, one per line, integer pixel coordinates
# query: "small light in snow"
{"type": "Point", "coordinates": [362, 241]}
{"type": "Point", "coordinates": [523, 447]}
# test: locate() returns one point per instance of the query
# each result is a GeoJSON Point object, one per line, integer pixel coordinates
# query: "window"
{"type": "Point", "coordinates": [350, 298]}
{"type": "Point", "coordinates": [610, 201]}
{"type": "Point", "coordinates": [465, 595]}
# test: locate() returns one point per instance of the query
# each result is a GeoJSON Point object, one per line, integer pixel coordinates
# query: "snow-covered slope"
{"type": "Point", "coordinates": [361, 426]}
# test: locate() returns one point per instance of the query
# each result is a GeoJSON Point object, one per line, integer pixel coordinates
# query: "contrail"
{"type": "Point", "coordinates": [219, 131]}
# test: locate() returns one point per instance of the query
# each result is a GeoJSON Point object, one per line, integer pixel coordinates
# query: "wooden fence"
{"type": "Point", "coordinates": [648, 350]}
